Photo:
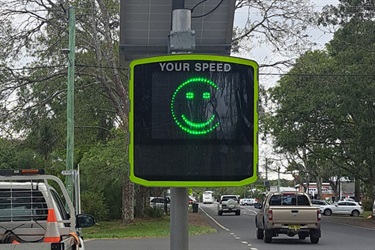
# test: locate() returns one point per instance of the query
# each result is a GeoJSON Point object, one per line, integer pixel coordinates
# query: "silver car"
{"type": "Point", "coordinates": [229, 204]}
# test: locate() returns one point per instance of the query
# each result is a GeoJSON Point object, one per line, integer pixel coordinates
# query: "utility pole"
{"type": "Point", "coordinates": [70, 105]}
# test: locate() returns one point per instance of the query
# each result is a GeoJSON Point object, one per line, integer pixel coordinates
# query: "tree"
{"type": "Point", "coordinates": [346, 11]}
{"type": "Point", "coordinates": [14, 154]}
{"type": "Point", "coordinates": [320, 110]}
{"type": "Point", "coordinates": [354, 47]}
{"type": "Point", "coordinates": [39, 36]}
{"type": "Point", "coordinates": [105, 160]}
{"type": "Point", "coordinates": [280, 26]}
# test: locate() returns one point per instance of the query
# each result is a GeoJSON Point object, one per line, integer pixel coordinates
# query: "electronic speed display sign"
{"type": "Point", "coordinates": [193, 121]}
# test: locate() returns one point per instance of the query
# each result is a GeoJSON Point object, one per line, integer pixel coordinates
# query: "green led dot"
{"type": "Point", "coordinates": [190, 95]}
{"type": "Point", "coordinates": [206, 95]}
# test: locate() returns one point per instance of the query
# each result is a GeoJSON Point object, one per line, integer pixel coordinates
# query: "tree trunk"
{"type": "Point", "coordinates": [140, 201]}
{"type": "Point", "coordinates": [127, 201]}
{"type": "Point", "coordinates": [319, 187]}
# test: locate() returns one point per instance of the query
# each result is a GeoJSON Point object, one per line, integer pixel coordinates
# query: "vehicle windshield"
{"type": "Point", "coordinates": [289, 200]}
{"type": "Point", "coordinates": [225, 198]}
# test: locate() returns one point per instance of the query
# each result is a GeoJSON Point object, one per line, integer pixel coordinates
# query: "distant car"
{"type": "Point", "coordinates": [160, 202]}
{"type": "Point", "coordinates": [318, 203]}
{"type": "Point", "coordinates": [192, 200]}
{"type": "Point", "coordinates": [248, 201]}
{"type": "Point", "coordinates": [342, 207]}
{"type": "Point", "coordinates": [229, 204]}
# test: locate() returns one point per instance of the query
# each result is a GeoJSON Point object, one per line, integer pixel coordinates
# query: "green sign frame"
{"type": "Point", "coordinates": [183, 58]}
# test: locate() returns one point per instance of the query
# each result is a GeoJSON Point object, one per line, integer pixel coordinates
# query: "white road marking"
{"type": "Point", "coordinates": [226, 229]}
{"type": "Point", "coordinates": [217, 223]}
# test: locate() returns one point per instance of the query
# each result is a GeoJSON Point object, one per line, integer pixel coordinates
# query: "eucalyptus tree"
{"type": "Point", "coordinates": [353, 46]}
{"type": "Point", "coordinates": [301, 122]}
{"type": "Point", "coordinates": [325, 105]}
{"type": "Point", "coordinates": [346, 11]}
{"type": "Point", "coordinates": [282, 27]}
{"type": "Point", "coordinates": [33, 35]}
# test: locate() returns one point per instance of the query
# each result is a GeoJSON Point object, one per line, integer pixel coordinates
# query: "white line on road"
{"type": "Point", "coordinates": [226, 229]}
{"type": "Point", "coordinates": [217, 223]}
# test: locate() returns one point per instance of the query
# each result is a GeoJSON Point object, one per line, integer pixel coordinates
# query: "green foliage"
{"type": "Point", "coordinates": [14, 155]}
{"type": "Point", "coordinates": [346, 11]}
{"type": "Point", "coordinates": [154, 212]}
{"type": "Point", "coordinates": [102, 168]}
{"type": "Point", "coordinates": [93, 203]}
{"type": "Point", "coordinates": [367, 205]}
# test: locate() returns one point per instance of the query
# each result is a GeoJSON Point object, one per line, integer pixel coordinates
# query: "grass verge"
{"type": "Point", "coordinates": [145, 228]}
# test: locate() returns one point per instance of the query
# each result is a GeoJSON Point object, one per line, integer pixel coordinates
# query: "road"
{"type": "Point", "coordinates": [238, 233]}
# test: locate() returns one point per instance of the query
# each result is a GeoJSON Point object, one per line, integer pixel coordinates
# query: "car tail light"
{"type": "Point", "coordinates": [270, 215]}
{"type": "Point", "coordinates": [318, 215]}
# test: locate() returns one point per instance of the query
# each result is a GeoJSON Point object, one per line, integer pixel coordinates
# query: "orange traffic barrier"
{"type": "Point", "coordinates": [52, 230]}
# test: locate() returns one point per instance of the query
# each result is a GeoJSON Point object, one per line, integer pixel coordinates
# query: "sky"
{"type": "Point", "coordinates": [261, 54]}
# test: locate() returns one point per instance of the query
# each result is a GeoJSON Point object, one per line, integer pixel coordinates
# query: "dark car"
{"type": "Point", "coordinates": [160, 202]}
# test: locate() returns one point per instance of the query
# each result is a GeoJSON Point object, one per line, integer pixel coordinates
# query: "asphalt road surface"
{"type": "Point", "coordinates": [238, 233]}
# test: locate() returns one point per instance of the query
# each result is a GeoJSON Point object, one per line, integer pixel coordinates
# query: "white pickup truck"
{"type": "Point", "coordinates": [289, 213]}
{"type": "Point", "coordinates": [26, 200]}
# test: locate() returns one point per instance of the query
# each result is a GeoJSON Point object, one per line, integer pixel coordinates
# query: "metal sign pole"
{"type": "Point", "coordinates": [179, 237]}
{"type": "Point", "coordinates": [181, 28]}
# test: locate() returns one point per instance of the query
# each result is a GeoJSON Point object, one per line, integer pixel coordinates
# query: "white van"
{"type": "Point", "coordinates": [208, 197]}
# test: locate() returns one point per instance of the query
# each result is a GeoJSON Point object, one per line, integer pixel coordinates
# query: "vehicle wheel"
{"type": "Point", "coordinates": [238, 212]}
{"type": "Point", "coordinates": [314, 240]}
{"type": "Point", "coordinates": [327, 212]}
{"type": "Point", "coordinates": [220, 213]}
{"type": "Point", "coordinates": [231, 203]}
{"type": "Point", "coordinates": [267, 239]}
{"type": "Point", "coordinates": [355, 213]}
{"type": "Point", "coordinates": [260, 234]}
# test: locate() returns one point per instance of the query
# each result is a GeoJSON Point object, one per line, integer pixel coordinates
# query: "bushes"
{"type": "Point", "coordinates": [367, 205]}
{"type": "Point", "coordinates": [154, 212]}
{"type": "Point", "coordinates": [94, 204]}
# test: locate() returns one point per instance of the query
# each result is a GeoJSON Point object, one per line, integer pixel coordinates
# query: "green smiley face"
{"type": "Point", "coordinates": [191, 106]}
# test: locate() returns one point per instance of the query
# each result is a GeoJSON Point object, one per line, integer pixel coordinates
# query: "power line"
{"type": "Point", "coordinates": [206, 14]}
{"type": "Point", "coordinates": [122, 68]}
{"type": "Point", "coordinates": [321, 75]}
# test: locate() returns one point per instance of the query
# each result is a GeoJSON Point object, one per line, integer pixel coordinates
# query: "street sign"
{"type": "Point", "coordinates": [193, 121]}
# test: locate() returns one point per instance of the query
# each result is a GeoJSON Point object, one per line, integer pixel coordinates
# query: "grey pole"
{"type": "Point", "coordinates": [70, 105]}
{"type": "Point", "coordinates": [179, 237]}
